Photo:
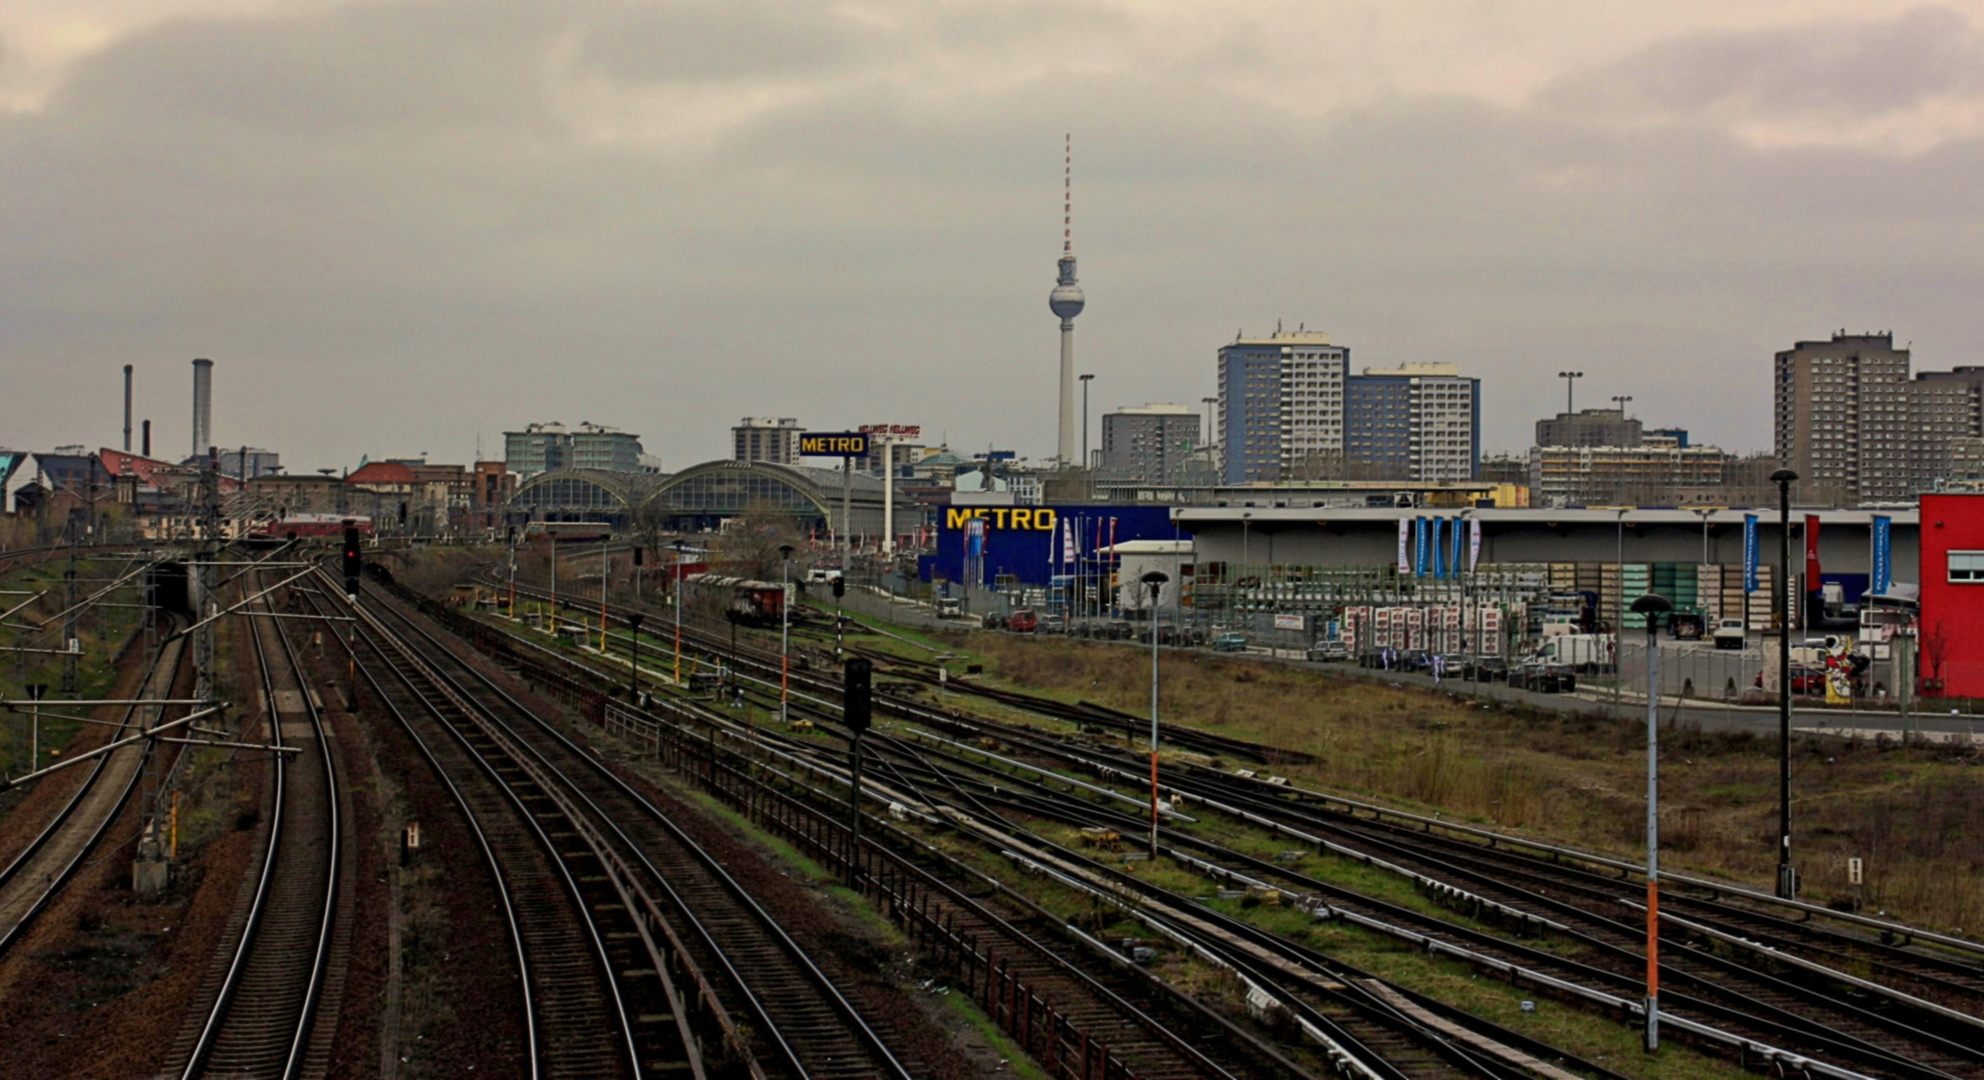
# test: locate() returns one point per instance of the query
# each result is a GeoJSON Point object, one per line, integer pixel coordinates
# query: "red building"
{"type": "Point", "coordinates": [1951, 640]}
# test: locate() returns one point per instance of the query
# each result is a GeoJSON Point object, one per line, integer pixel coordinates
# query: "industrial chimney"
{"type": "Point", "coordinates": [203, 406]}
{"type": "Point", "coordinates": [127, 408]}
{"type": "Point", "coordinates": [148, 438]}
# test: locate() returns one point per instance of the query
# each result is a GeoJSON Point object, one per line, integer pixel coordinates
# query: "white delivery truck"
{"type": "Point", "coordinates": [1584, 652]}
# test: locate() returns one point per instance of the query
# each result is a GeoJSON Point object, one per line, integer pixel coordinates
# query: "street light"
{"type": "Point", "coordinates": [1570, 380]}
{"type": "Point", "coordinates": [1086, 379]}
{"type": "Point", "coordinates": [634, 620]}
{"type": "Point", "coordinates": [1652, 606]}
{"type": "Point", "coordinates": [1622, 400]}
{"type": "Point", "coordinates": [1787, 878]}
{"type": "Point", "coordinates": [1155, 579]}
{"type": "Point", "coordinates": [785, 636]}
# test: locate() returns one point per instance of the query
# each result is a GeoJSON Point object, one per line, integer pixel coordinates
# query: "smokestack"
{"type": "Point", "coordinates": [127, 408]}
{"type": "Point", "coordinates": [203, 406]}
{"type": "Point", "coordinates": [148, 438]}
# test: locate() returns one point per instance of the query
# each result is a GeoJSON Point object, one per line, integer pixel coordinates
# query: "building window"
{"type": "Point", "coordinates": [1967, 566]}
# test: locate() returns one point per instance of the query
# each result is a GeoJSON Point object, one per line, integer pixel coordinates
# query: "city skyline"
{"type": "Point", "coordinates": [621, 234]}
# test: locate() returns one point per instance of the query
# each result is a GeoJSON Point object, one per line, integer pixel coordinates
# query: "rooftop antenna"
{"type": "Point", "coordinates": [1068, 195]}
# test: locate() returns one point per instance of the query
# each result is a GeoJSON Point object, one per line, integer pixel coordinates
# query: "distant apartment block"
{"type": "Point", "coordinates": [1658, 472]}
{"type": "Point", "coordinates": [542, 448]}
{"type": "Point", "coordinates": [1149, 444]}
{"type": "Point", "coordinates": [1842, 419]}
{"type": "Point", "coordinates": [761, 438]}
{"type": "Point", "coordinates": [1290, 409]}
{"type": "Point", "coordinates": [1590, 427]}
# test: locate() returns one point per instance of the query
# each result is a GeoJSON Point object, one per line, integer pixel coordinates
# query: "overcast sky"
{"type": "Point", "coordinates": [397, 225]}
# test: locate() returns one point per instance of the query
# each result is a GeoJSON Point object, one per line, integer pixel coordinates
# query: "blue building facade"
{"type": "Point", "coordinates": [1029, 544]}
{"type": "Point", "coordinates": [1377, 425]}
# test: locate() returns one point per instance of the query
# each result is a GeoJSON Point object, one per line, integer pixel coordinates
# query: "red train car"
{"type": "Point", "coordinates": [759, 603]}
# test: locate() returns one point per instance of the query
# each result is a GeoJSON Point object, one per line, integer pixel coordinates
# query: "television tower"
{"type": "Point", "coordinates": [1067, 301]}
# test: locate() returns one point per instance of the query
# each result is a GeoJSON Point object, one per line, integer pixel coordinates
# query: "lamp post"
{"type": "Point", "coordinates": [678, 610]}
{"type": "Point", "coordinates": [1787, 878]}
{"type": "Point", "coordinates": [1570, 380]}
{"type": "Point", "coordinates": [785, 636]}
{"type": "Point", "coordinates": [1652, 606]}
{"type": "Point", "coordinates": [1622, 400]}
{"type": "Point", "coordinates": [1086, 379]}
{"type": "Point", "coordinates": [1155, 580]}
{"type": "Point", "coordinates": [634, 620]}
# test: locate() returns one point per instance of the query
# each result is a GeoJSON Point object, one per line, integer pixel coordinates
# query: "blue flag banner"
{"type": "Point", "coordinates": [1439, 547]}
{"type": "Point", "coordinates": [1421, 549]}
{"type": "Point", "coordinates": [1749, 553]}
{"type": "Point", "coordinates": [1883, 556]}
{"type": "Point", "coordinates": [1459, 536]}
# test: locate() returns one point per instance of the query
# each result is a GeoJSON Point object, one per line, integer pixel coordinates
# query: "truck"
{"type": "Point", "coordinates": [1582, 652]}
{"type": "Point", "coordinates": [950, 607]}
{"type": "Point", "coordinates": [1729, 634]}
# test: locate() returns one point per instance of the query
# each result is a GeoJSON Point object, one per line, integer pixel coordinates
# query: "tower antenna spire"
{"type": "Point", "coordinates": [1066, 301]}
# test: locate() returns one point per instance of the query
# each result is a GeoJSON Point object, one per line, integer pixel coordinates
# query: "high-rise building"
{"type": "Point", "coordinates": [1943, 407]}
{"type": "Point", "coordinates": [1289, 409]}
{"type": "Point", "coordinates": [1418, 422]}
{"type": "Point", "coordinates": [1280, 403]}
{"type": "Point", "coordinates": [1842, 419]}
{"type": "Point", "coordinates": [1150, 443]}
{"type": "Point", "coordinates": [1657, 472]}
{"type": "Point", "coordinates": [537, 448]}
{"type": "Point", "coordinates": [761, 438]}
{"type": "Point", "coordinates": [1590, 427]}
{"type": "Point", "coordinates": [608, 449]}
{"type": "Point", "coordinates": [548, 447]}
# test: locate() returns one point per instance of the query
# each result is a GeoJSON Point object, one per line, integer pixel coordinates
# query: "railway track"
{"type": "Point", "coordinates": [796, 1022]}
{"type": "Point", "coordinates": [1365, 1033]}
{"type": "Point", "coordinates": [272, 1010]}
{"type": "Point", "coordinates": [1804, 1009]}
{"type": "Point", "coordinates": [39, 873]}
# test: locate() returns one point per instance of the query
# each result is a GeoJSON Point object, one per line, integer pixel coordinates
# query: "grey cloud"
{"type": "Point", "coordinates": [388, 239]}
{"type": "Point", "coordinates": [1852, 69]}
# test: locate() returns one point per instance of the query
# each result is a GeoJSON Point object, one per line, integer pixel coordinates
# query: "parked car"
{"type": "Point", "coordinates": [1051, 624]}
{"type": "Point", "coordinates": [1023, 621]}
{"type": "Point", "coordinates": [1412, 660]}
{"type": "Point", "coordinates": [1487, 669]}
{"type": "Point", "coordinates": [1804, 680]}
{"type": "Point", "coordinates": [994, 621]}
{"type": "Point", "coordinates": [1329, 652]}
{"type": "Point", "coordinates": [1542, 677]}
{"type": "Point", "coordinates": [1230, 642]}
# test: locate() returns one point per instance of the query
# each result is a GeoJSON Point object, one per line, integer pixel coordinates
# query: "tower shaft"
{"type": "Point", "coordinates": [1067, 451]}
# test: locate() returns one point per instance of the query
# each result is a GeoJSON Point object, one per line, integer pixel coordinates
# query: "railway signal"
{"type": "Point", "coordinates": [840, 590]}
{"type": "Point", "coordinates": [634, 620]}
{"type": "Point", "coordinates": [1154, 580]}
{"type": "Point", "coordinates": [857, 704]}
{"type": "Point", "coordinates": [352, 563]}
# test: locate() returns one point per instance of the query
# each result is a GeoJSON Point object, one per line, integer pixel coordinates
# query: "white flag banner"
{"type": "Point", "coordinates": [1473, 543]}
{"type": "Point", "coordinates": [1067, 541]}
{"type": "Point", "coordinates": [1405, 545]}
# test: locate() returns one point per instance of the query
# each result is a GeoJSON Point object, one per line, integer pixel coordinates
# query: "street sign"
{"type": "Point", "coordinates": [843, 444]}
